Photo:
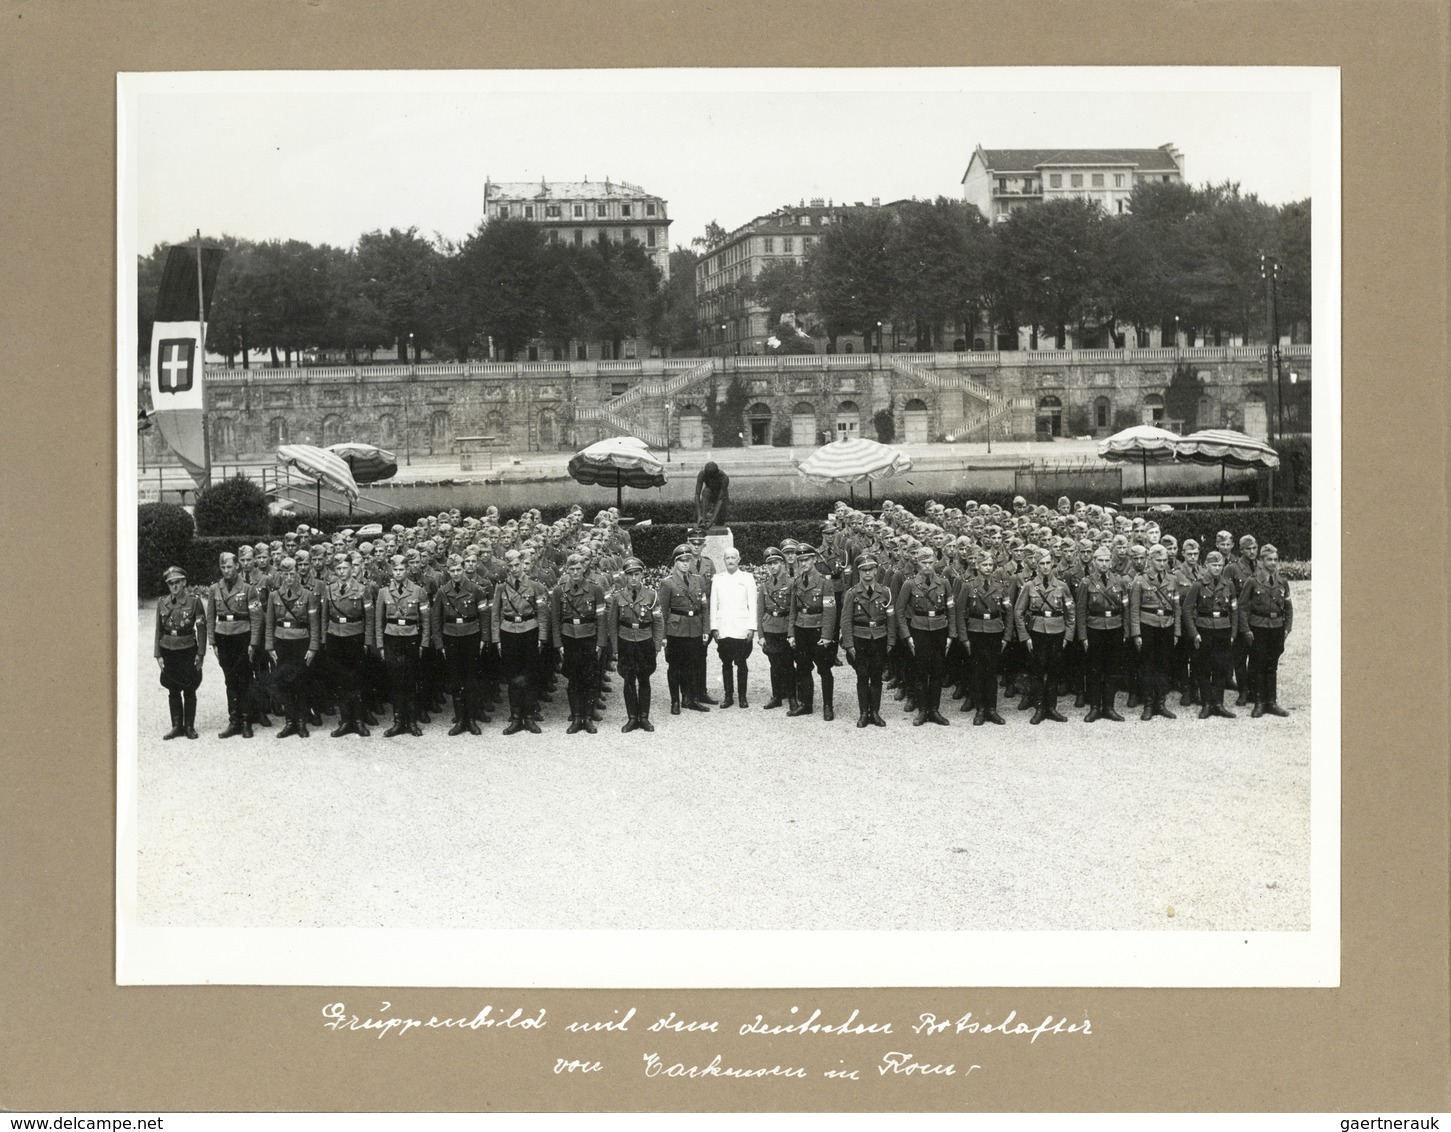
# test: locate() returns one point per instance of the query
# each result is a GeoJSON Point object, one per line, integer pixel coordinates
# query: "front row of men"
{"type": "Point", "coordinates": [321, 640]}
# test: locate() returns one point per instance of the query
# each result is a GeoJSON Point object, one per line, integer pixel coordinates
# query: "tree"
{"type": "Point", "coordinates": [506, 258]}
{"type": "Point", "coordinates": [631, 281]}
{"type": "Point", "coordinates": [783, 287]}
{"type": "Point", "coordinates": [1049, 264]}
{"type": "Point", "coordinates": [937, 267]}
{"type": "Point", "coordinates": [714, 237]}
{"type": "Point", "coordinates": [1181, 397]}
{"type": "Point", "coordinates": [673, 322]}
{"type": "Point", "coordinates": [398, 271]}
{"type": "Point", "coordinates": [851, 274]}
{"type": "Point", "coordinates": [1291, 244]}
{"type": "Point", "coordinates": [727, 418]}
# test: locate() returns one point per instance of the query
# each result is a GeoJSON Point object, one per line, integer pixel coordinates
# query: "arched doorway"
{"type": "Point", "coordinates": [758, 423]}
{"type": "Point", "coordinates": [803, 425]}
{"type": "Point", "coordinates": [332, 430]}
{"type": "Point", "coordinates": [440, 433]}
{"type": "Point", "coordinates": [692, 427]}
{"type": "Point", "coordinates": [1153, 411]}
{"type": "Point", "coordinates": [1256, 419]}
{"type": "Point", "coordinates": [914, 420]}
{"type": "Point", "coordinates": [848, 420]}
{"type": "Point", "coordinates": [387, 430]}
{"type": "Point", "coordinates": [497, 428]}
{"type": "Point", "coordinates": [1102, 414]}
{"type": "Point", "coordinates": [277, 431]}
{"type": "Point", "coordinates": [1050, 416]}
{"type": "Point", "coordinates": [548, 430]}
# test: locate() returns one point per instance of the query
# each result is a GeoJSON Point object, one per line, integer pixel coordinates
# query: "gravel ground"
{"type": "Point", "coordinates": [736, 819]}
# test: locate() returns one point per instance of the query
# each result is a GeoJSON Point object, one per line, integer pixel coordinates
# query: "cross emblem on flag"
{"type": "Point", "coordinates": [174, 363]}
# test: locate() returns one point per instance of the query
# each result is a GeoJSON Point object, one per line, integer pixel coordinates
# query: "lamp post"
{"type": "Point", "coordinates": [722, 345]}
{"type": "Point", "coordinates": [879, 343]}
{"type": "Point", "coordinates": [669, 406]}
{"type": "Point", "coordinates": [1177, 354]}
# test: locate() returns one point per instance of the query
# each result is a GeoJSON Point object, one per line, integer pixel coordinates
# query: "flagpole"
{"type": "Point", "coordinates": [201, 364]}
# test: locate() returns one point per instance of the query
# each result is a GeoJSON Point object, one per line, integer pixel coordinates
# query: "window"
{"type": "Point", "coordinates": [581, 352]}
{"type": "Point", "coordinates": [600, 208]}
{"type": "Point", "coordinates": [1055, 180]}
{"type": "Point", "coordinates": [579, 212]}
{"type": "Point", "coordinates": [807, 242]}
{"type": "Point", "coordinates": [552, 237]}
{"type": "Point", "coordinates": [1102, 412]}
{"type": "Point", "coordinates": [788, 244]}
{"type": "Point", "coordinates": [579, 237]}
{"type": "Point", "coordinates": [528, 212]}
{"type": "Point", "coordinates": [1121, 207]}
{"type": "Point", "coordinates": [770, 244]}
{"type": "Point", "coordinates": [1098, 180]}
{"type": "Point", "coordinates": [618, 388]}
{"type": "Point", "coordinates": [1118, 180]}
{"type": "Point", "coordinates": [624, 210]}
{"type": "Point", "coordinates": [1166, 178]}
{"type": "Point", "coordinates": [627, 235]}
{"type": "Point", "coordinates": [649, 208]}
{"type": "Point", "coordinates": [1077, 180]}
{"type": "Point", "coordinates": [1002, 184]}
{"type": "Point", "coordinates": [503, 211]}
{"type": "Point", "coordinates": [649, 237]}
{"type": "Point", "coordinates": [552, 210]}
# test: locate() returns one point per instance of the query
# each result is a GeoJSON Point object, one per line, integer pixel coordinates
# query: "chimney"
{"type": "Point", "coordinates": [876, 202]}
{"type": "Point", "coordinates": [818, 202]}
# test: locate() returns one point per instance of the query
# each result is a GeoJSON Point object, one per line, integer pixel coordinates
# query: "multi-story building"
{"type": "Point", "coordinates": [582, 212]}
{"type": "Point", "coordinates": [998, 181]}
{"type": "Point", "coordinates": [731, 325]}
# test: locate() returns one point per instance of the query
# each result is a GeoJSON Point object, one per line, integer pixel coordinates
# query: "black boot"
{"type": "Point", "coordinates": [741, 684]}
{"type": "Point", "coordinates": [234, 727]}
{"type": "Point", "coordinates": [774, 702]}
{"type": "Point", "coordinates": [874, 715]}
{"type": "Point", "coordinates": [461, 717]}
{"type": "Point", "coordinates": [1206, 712]}
{"type": "Point", "coordinates": [644, 701]}
{"type": "Point", "coordinates": [802, 704]}
{"type": "Point", "coordinates": [828, 710]}
{"type": "Point", "coordinates": [178, 729]}
{"type": "Point", "coordinates": [291, 728]}
{"type": "Point", "coordinates": [514, 726]}
{"type": "Point", "coordinates": [188, 715]}
{"type": "Point", "coordinates": [1160, 709]}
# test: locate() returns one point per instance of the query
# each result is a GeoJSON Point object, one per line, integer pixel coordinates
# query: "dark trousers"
{"type": "Point", "coordinates": [400, 660]}
{"type": "Point", "coordinates": [871, 660]}
{"type": "Point", "coordinates": [929, 647]}
{"type": "Point", "coordinates": [777, 647]}
{"type": "Point", "coordinates": [237, 671]}
{"type": "Point", "coordinates": [636, 665]}
{"type": "Point", "coordinates": [344, 667]}
{"type": "Point", "coordinates": [1213, 665]}
{"type": "Point", "coordinates": [1156, 657]}
{"type": "Point", "coordinates": [733, 652]}
{"type": "Point", "coordinates": [294, 678]}
{"type": "Point", "coordinates": [180, 677]}
{"type": "Point", "coordinates": [811, 653]}
{"type": "Point", "coordinates": [684, 667]}
{"type": "Point", "coordinates": [580, 669]}
{"type": "Point", "coordinates": [261, 688]}
{"type": "Point", "coordinates": [1242, 681]}
{"type": "Point", "coordinates": [1101, 663]}
{"type": "Point", "coordinates": [519, 662]}
{"type": "Point", "coordinates": [1264, 663]}
{"type": "Point", "coordinates": [461, 660]}
{"type": "Point", "coordinates": [1048, 666]}
{"type": "Point", "coordinates": [985, 652]}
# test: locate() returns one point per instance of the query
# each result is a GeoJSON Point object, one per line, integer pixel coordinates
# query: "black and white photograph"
{"type": "Point", "coordinates": [731, 528]}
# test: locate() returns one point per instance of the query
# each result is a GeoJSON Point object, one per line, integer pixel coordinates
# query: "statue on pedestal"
{"type": "Point", "coordinates": [712, 497]}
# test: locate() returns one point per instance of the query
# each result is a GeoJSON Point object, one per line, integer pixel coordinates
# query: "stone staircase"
{"type": "Point", "coordinates": [935, 380]}
{"type": "Point", "coordinates": [614, 413]}
{"type": "Point", "coordinates": [982, 418]}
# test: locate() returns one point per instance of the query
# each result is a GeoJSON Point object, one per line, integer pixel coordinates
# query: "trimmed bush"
{"type": "Point", "coordinates": [1287, 527]}
{"type": "Point", "coordinates": [163, 538]}
{"type": "Point", "coordinates": [236, 506]}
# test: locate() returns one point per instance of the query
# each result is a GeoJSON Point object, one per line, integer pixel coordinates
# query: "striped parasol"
{"type": "Point", "coordinates": [854, 461]}
{"type": "Point", "coordinates": [367, 462]}
{"type": "Point", "coordinates": [618, 462]}
{"type": "Point", "coordinates": [323, 466]}
{"type": "Point", "coordinates": [1141, 444]}
{"type": "Point", "coordinates": [1228, 449]}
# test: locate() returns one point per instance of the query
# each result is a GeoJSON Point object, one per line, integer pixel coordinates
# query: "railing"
{"type": "Point", "coordinates": [984, 417]}
{"type": "Point", "coordinates": [681, 381]}
{"type": "Point", "coordinates": [903, 365]}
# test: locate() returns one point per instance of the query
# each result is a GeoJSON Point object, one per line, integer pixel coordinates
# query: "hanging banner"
{"type": "Point", "coordinates": [177, 352]}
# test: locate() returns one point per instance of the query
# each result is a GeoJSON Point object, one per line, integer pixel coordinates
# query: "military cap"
{"type": "Point", "coordinates": [806, 550]}
{"type": "Point", "coordinates": [454, 560]}
{"type": "Point", "coordinates": [774, 553]}
{"type": "Point", "coordinates": [575, 560]}
{"type": "Point", "coordinates": [262, 548]}
{"type": "Point", "coordinates": [288, 563]}
{"type": "Point", "coordinates": [1212, 557]}
{"type": "Point", "coordinates": [789, 545]}
{"type": "Point", "coordinates": [173, 573]}
{"type": "Point", "coordinates": [828, 526]}
{"type": "Point", "coordinates": [1246, 540]}
{"type": "Point", "coordinates": [245, 550]}
{"type": "Point", "coordinates": [1189, 542]}
{"type": "Point", "coordinates": [697, 534]}
{"type": "Point", "coordinates": [633, 564]}
{"type": "Point", "coordinates": [683, 551]}
{"type": "Point", "coordinates": [866, 560]}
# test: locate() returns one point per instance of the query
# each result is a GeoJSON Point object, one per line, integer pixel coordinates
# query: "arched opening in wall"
{"type": "Point", "coordinates": [440, 433]}
{"type": "Point", "coordinates": [387, 430]}
{"type": "Point", "coordinates": [548, 430]}
{"type": "Point", "coordinates": [497, 428]}
{"type": "Point", "coordinates": [277, 432]}
{"type": "Point", "coordinates": [758, 423]}
{"type": "Point", "coordinates": [1050, 416]}
{"type": "Point", "coordinates": [914, 421]}
{"type": "Point", "coordinates": [692, 427]}
{"type": "Point", "coordinates": [1205, 417]}
{"type": "Point", "coordinates": [332, 430]}
{"type": "Point", "coordinates": [1102, 414]}
{"type": "Point", "coordinates": [1153, 411]}
{"type": "Point", "coordinates": [848, 420]}
{"type": "Point", "coordinates": [224, 436]}
{"type": "Point", "coordinates": [1256, 418]}
{"type": "Point", "coordinates": [803, 425]}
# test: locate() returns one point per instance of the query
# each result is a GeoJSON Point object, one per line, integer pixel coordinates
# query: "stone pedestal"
{"type": "Point", "coordinates": [718, 540]}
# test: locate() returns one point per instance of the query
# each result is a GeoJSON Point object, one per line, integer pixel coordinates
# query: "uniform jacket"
{"type": "Point", "coordinates": [773, 605]}
{"type": "Point", "coordinates": [1101, 603]}
{"type": "Point", "coordinates": [1264, 602]}
{"type": "Point", "coordinates": [1156, 599]}
{"type": "Point", "coordinates": [579, 611]}
{"type": "Point", "coordinates": [181, 623]}
{"type": "Point", "coordinates": [813, 604]}
{"type": "Point", "coordinates": [1045, 608]}
{"type": "Point", "coordinates": [634, 614]}
{"type": "Point", "coordinates": [868, 612]}
{"type": "Point", "coordinates": [293, 615]}
{"type": "Point", "coordinates": [924, 603]}
{"type": "Point", "coordinates": [1211, 604]}
{"type": "Point", "coordinates": [684, 604]}
{"type": "Point", "coordinates": [521, 609]}
{"type": "Point", "coordinates": [402, 610]}
{"type": "Point", "coordinates": [459, 611]}
{"type": "Point", "coordinates": [233, 611]}
{"type": "Point", "coordinates": [983, 600]}
{"type": "Point", "coordinates": [347, 610]}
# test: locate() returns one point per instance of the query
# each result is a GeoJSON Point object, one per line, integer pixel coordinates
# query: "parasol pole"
{"type": "Point", "coordinates": [201, 362]}
{"type": "Point", "coordinates": [619, 490]}
{"type": "Point", "coordinates": [1222, 466]}
{"type": "Point", "coordinates": [319, 497]}
{"type": "Point", "coordinates": [1146, 479]}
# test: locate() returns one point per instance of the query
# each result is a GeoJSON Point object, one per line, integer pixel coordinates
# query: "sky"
{"type": "Point", "coordinates": [327, 156]}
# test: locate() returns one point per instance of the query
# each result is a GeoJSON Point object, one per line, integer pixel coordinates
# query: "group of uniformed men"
{"type": "Point", "coordinates": [961, 597]}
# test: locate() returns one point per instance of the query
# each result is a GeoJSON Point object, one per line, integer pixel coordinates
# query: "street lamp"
{"type": "Point", "coordinates": [722, 344]}
{"type": "Point", "coordinates": [1176, 338]}
{"type": "Point", "coordinates": [669, 405]}
{"type": "Point", "coordinates": [879, 343]}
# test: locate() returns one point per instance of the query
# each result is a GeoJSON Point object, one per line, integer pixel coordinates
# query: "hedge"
{"type": "Point", "coordinates": [235, 506]}
{"type": "Point", "coordinates": [163, 538]}
{"type": "Point", "coordinates": [1287, 527]}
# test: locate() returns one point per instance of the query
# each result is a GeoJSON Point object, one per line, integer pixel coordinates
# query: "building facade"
{"type": "Point", "coordinates": [999, 181]}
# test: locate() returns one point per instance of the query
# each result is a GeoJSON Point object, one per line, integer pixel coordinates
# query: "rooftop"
{"type": "Point", "coordinates": [1160, 160]}
{"type": "Point", "coordinates": [562, 190]}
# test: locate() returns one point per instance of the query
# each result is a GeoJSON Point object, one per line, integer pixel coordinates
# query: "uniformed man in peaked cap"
{"type": "Point", "coordinates": [813, 635]}
{"type": "Point", "coordinates": [581, 631]}
{"type": "Point", "coordinates": [180, 650]}
{"type": "Point", "coordinates": [234, 629]}
{"type": "Point", "coordinates": [868, 623]}
{"type": "Point", "coordinates": [685, 606]}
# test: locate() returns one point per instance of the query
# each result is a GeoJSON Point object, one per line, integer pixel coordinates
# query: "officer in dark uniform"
{"type": "Point", "coordinates": [813, 635]}
{"type": "Point", "coordinates": [773, 623]}
{"type": "Point", "coordinates": [1046, 618]}
{"type": "Point", "coordinates": [868, 623]}
{"type": "Point", "coordinates": [1266, 616]}
{"type": "Point", "coordinates": [180, 649]}
{"type": "Point", "coordinates": [684, 605]}
{"type": "Point", "coordinates": [984, 612]}
{"type": "Point", "coordinates": [1102, 609]}
{"type": "Point", "coordinates": [401, 618]}
{"type": "Point", "coordinates": [234, 628]}
{"type": "Point", "coordinates": [637, 632]}
{"type": "Point", "coordinates": [1239, 571]}
{"type": "Point", "coordinates": [1211, 622]}
{"type": "Point", "coordinates": [704, 569]}
{"type": "Point", "coordinates": [261, 576]}
{"type": "Point", "coordinates": [1154, 626]}
{"type": "Point", "coordinates": [346, 616]}
{"type": "Point", "coordinates": [457, 619]}
{"type": "Point", "coordinates": [293, 636]}
{"type": "Point", "coordinates": [925, 619]}
{"type": "Point", "coordinates": [521, 630]}
{"type": "Point", "coordinates": [580, 630]}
